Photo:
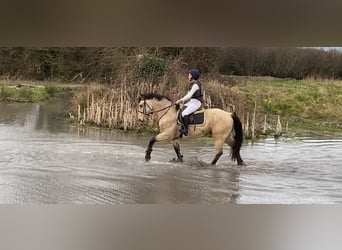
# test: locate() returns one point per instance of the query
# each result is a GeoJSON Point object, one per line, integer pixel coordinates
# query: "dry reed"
{"type": "Point", "coordinates": [116, 106]}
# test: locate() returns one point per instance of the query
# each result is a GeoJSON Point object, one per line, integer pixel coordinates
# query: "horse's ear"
{"type": "Point", "coordinates": [232, 108]}
{"type": "Point", "coordinates": [140, 97]}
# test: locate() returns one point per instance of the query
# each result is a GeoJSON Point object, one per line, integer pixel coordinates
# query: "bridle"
{"type": "Point", "coordinates": [144, 109]}
{"type": "Point", "coordinates": [151, 112]}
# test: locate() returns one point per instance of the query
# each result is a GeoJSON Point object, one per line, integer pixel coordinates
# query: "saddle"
{"type": "Point", "coordinates": [196, 118]}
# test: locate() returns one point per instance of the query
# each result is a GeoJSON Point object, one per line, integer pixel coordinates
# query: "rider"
{"type": "Point", "coordinates": [193, 99]}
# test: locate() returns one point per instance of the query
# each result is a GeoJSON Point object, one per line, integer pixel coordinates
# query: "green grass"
{"type": "Point", "coordinates": [4, 93]}
{"type": "Point", "coordinates": [27, 94]}
{"type": "Point", "coordinates": [304, 103]}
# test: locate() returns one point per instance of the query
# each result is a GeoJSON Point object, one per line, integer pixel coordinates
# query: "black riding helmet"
{"type": "Point", "coordinates": [195, 73]}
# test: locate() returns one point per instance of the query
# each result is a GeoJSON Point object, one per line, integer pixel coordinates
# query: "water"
{"type": "Point", "coordinates": [44, 160]}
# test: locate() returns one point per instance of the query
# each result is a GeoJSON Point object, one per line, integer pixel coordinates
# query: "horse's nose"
{"type": "Point", "coordinates": [140, 120]}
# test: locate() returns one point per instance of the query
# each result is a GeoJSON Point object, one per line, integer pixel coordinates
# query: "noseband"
{"type": "Point", "coordinates": [151, 109]}
{"type": "Point", "coordinates": [144, 109]}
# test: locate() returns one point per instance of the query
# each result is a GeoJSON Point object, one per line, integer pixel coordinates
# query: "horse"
{"type": "Point", "coordinates": [223, 126]}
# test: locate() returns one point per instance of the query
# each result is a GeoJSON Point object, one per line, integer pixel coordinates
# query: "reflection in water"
{"type": "Point", "coordinates": [180, 185]}
{"type": "Point", "coordinates": [33, 116]}
{"type": "Point", "coordinates": [44, 160]}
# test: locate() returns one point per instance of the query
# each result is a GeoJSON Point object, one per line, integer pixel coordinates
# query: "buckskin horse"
{"type": "Point", "coordinates": [223, 126]}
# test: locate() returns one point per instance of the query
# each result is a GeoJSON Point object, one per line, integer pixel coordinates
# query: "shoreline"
{"type": "Point", "coordinates": [255, 89]}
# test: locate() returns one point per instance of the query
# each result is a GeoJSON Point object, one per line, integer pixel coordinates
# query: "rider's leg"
{"type": "Point", "coordinates": [192, 107]}
{"type": "Point", "coordinates": [185, 128]}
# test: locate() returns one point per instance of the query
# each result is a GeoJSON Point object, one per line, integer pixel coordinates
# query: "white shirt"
{"type": "Point", "coordinates": [191, 92]}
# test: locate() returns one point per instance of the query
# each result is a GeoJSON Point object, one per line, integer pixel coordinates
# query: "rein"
{"type": "Point", "coordinates": [156, 111]}
{"type": "Point", "coordinates": [151, 112]}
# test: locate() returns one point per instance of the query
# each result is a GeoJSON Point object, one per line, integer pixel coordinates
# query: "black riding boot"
{"type": "Point", "coordinates": [185, 127]}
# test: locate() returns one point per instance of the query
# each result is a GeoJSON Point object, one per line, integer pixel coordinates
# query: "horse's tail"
{"type": "Point", "coordinates": [238, 138]}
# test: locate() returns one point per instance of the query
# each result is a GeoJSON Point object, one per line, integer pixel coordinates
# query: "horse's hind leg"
{"type": "Point", "coordinates": [176, 147]}
{"type": "Point", "coordinates": [219, 150]}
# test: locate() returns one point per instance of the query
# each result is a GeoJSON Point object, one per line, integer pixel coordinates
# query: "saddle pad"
{"type": "Point", "coordinates": [197, 118]}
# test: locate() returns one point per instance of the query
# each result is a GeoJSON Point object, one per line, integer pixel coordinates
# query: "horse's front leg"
{"type": "Point", "coordinates": [159, 137]}
{"type": "Point", "coordinates": [149, 148]}
{"type": "Point", "coordinates": [176, 147]}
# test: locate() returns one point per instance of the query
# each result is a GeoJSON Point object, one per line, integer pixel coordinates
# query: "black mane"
{"type": "Point", "coordinates": [156, 96]}
{"type": "Point", "coordinates": [150, 96]}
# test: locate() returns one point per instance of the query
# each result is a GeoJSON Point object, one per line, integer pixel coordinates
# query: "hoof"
{"type": "Point", "coordinates": [176, 160]}
{"type": "Point", "coordinates": [241, 163]}
{"type": "Point", "coordinates": [147, 157]}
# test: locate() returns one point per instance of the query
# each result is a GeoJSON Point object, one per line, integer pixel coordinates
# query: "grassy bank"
{"type": "Point", "coordinates": [19, 91]}
{"type": "Point", "coordinates": [304, 104]}
{"type": "Point", "coordinates": [263, 104]}
{"type": "Point", "coordinates": [263, 101]}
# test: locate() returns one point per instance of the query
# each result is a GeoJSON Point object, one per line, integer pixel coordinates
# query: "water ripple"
{"type": "Point", "coordinates": [50, 163]}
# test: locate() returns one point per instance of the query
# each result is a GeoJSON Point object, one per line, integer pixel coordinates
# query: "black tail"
{"type": "Point", "coordinates": [238, 138]}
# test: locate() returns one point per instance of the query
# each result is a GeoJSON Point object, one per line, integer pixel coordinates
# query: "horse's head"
{"type": "Point", "coordinates": [153, 104]}
{"type": "Point", "coordinates": [144, 108]}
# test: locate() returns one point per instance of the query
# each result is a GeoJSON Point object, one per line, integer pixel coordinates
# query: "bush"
{"type": "Point", "coordinates": [152, 68]}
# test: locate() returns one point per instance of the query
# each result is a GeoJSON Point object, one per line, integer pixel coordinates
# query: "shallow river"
{"type": "Point", "coordinates": [45, 160]}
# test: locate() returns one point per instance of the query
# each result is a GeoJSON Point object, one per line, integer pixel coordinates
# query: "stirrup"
{"type": "Point", "coordinates": [183, 132]}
